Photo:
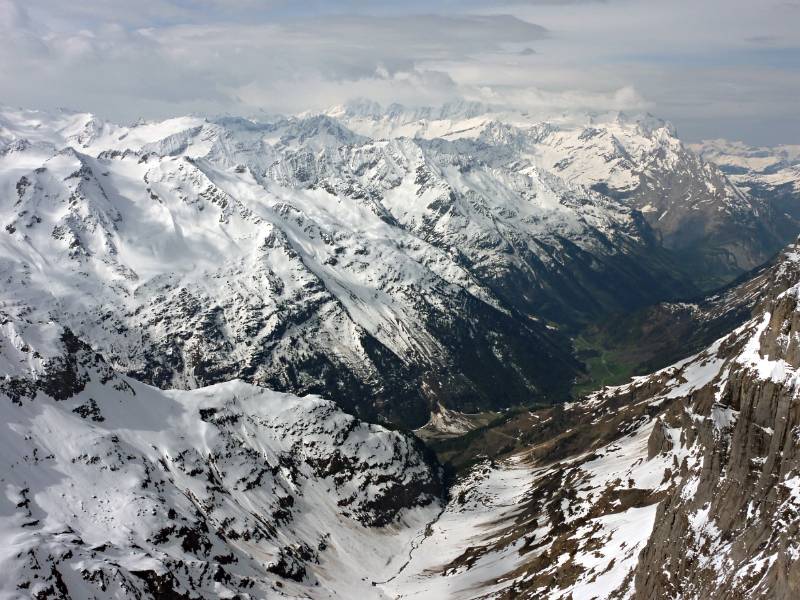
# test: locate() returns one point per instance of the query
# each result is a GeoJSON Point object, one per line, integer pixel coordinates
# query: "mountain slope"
{"type": "Point", "coordinates": [682, 483]}
{"type": "Point", "coordinates": [711, 227]}
{"type": "Point", "coordinates": [392, 260]}
{"type": "Point", "coordinates": [772, 173]}
{"type": "Point", "coordinates": [658, 335]}
{"type": "Point", "coordinates": [184, 271]}
{"type": "Point", "coordinates": [115, 489]}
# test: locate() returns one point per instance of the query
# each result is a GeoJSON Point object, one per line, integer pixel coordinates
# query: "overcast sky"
{"type": "Point", "coordinates": [715, 68]}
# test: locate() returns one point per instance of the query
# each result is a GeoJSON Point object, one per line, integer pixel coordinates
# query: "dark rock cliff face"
{"type": "Point", "coordinates": [470, 357]}
{"type": "Point", "coordinates": [730, 529]}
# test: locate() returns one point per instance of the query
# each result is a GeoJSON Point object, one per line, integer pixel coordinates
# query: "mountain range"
{"type": "Point", "coordinates": [216, 334]}
{"type": "Point", "coordinates": [683, 483]}
{"type": "Point", "coordinates": [393, 260]}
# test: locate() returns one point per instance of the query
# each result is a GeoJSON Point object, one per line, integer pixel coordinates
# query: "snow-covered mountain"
{"type": "Point", "coordinates": [683, 483]}
{"type": "Point", "coordinates": [393, 260]}
{"type": "Point", "coordinates": [772, 173]}
{"type": "Point", "coordinates": [751, 166]}
{"type": "Point", "coordinates": [190, 252]}
{"type": "Point", "coordinates": [115, 489]}
{"type": "Point", "coordinates": [690, 204]}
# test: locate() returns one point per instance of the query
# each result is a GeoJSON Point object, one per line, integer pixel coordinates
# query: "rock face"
{"type": "Point", "coordinates": [115, 489]}
{"type": "Point", "coordinates": [731, 526]}
{"type": "Point", "coordinates": [393, 261]}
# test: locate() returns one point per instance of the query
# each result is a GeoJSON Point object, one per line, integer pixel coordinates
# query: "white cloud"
{"type": "Point", "coordinates": [693, 62]}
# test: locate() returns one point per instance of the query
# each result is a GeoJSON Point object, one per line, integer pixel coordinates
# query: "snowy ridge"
{"type": "Point", "coordinates": [243, 265]}
{"type": "Point", "coordinates": [749, 166]}
{"type": "Point", "coordinates": [298, 252]}
{"type": "Point", "coordinates": [768, 174]}
{"type": "Point", "coordinates": [309, 249]}
{"type": "Point", "coordinates": [638, 159]}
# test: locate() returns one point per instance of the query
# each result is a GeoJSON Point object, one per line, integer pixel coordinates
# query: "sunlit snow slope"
{"type": "Point", "coordinates": [115, 489]}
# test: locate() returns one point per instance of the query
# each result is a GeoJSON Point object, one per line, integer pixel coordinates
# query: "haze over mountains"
{"type": "Point", "coordinates": [173, 290]}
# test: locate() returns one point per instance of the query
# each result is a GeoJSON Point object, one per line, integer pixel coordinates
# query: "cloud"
{"type": "Point", "coordinates": [295, 64]}
{"type": "Point", "coordinates": [685, 60]}
{"type": "Point", "coordinates": [762, 39]}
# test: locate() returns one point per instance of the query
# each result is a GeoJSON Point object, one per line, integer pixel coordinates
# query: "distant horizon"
{"type": "Point", "coordinates": [265, 116]}
{"type": "Point", "coordinates": [718, 69]}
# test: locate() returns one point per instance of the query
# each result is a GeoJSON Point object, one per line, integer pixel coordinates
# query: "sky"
{"type": "Point", "coordinates": [714, 68]}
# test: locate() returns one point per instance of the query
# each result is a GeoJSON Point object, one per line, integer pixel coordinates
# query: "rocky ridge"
{"type": "Point", "coordinates": [682, 483]}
